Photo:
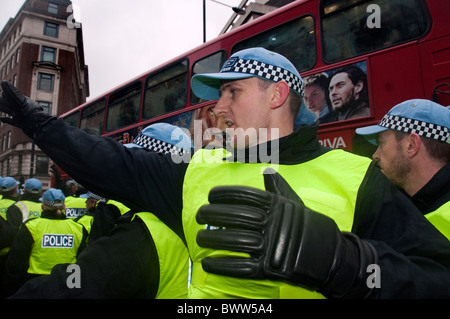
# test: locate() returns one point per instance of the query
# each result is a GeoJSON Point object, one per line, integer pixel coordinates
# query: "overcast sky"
{"type": "Point", "coordinates": [123, 39]}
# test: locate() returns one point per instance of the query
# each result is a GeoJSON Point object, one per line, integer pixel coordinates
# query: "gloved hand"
{"type": "Point", "coordinates": [285, 239]}
{"type": "Point", "coordinates": [25, 113]}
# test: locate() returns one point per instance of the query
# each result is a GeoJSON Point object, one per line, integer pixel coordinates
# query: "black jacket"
{"type": "Point", "coordinates": [435, 193]}
{"type": "Point", "coordinates": [414, 257]}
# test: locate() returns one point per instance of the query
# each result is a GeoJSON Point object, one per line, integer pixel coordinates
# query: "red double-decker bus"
{"type": "Point", "coordinates": [398, 49]}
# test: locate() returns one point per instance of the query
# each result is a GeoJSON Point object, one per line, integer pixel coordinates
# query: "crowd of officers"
{"type": "Point", "coordinates": [39, 229]}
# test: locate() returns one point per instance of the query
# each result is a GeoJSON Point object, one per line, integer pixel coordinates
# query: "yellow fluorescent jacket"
{"type": "Point", "coordinates": [56, 241]}
{"type": "Point", "coordinates": [29, 209]}
{"type": "Point", "coordinates": [440, 218]}
{"type": "Point", "coordinates": [75, 206]}
{"type": "Point", "coordinates": [173, 259]}
{"type": "Point", "coordinates": [327, 184]}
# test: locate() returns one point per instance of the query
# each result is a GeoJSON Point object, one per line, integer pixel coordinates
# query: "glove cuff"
{"type": "Point", "coordinates": [348, 276]}
{"type": "Point", "coordinates": [31, 127]}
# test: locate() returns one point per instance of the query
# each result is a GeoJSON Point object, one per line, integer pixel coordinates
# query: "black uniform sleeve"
{"type": "Point", "coordinates": [414, 257]}
{"type": "Point", "coordinates": [10, 226]}
{"type": "Point", "coordinates": [142, 180]}
{"type": "Point", "coordinates": [105, 217]}
{"type": "Point", "coordinates": [123, 265]}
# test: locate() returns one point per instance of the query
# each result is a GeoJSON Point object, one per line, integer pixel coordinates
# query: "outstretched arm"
{"type": "Point", "coordinates": [142, 180]}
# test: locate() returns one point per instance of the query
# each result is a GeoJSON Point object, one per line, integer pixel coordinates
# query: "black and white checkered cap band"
{"type": "Point", "coordinates": [269, 72]}
{"type": "Point", "coordinates": [52, 203]}
{"type": "Point", "coordinates": [156, 145]}
{"type": "Point", "coordinates": [425, 129]}
{"type": "Point", "coordinates": [96, 197]}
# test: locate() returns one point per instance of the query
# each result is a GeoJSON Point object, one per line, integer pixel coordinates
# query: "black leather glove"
{"type": "Point", "coordinates": [25, 113]}
{"type": "Point", "coordinates": [285, 240]}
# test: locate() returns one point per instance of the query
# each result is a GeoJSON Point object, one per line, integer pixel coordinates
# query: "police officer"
{"type": "Point", "coordinates": [43, 242]}
{"type": "Point", "coordinates": [9, 197]}
{"type": "Point", "coordinates": [414, 153]}
{"type": "Point", "coordinates": [29, 205]}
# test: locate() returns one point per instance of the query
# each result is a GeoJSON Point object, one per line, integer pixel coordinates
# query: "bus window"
{"type": "Point", "coordinates": [295, 40]}
{"type": "Point", "coordinates": [92, 117]}
{"type": "Point", "coordinates": [72, 119]}
{"type": "Point", "coordinates": [210, 64]}
{"type": "Point", "coordinates": [123, 107]}
{"type": "Point", "coordinates": [350, 28]}
{"type": "Point", "coordinates": [166, 91]}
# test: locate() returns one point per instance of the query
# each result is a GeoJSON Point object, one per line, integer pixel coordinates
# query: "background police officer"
{"type": "Point", "coordinates": [9, 195]}
{"type": "Point", "coordinates": [42, 243]}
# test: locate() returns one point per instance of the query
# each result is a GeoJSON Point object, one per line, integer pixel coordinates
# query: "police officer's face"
{"type": "Point", "coordinates": [390, 156]}
{"type": "Point", "coordinates": [90, 203]}
{"type": "Point", "coordinates": [243, 108]}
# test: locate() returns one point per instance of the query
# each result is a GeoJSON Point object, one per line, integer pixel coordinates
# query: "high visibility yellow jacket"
{"type": "Point", "coordinates": [318, 182]}
{"type": "Point", "coordinates": [173, 259]}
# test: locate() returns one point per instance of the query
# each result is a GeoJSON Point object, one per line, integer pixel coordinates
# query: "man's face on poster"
{"type": "Point", "coordinates": [343, 91]}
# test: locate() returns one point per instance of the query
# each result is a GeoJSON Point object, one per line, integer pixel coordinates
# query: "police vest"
{"type": "Point", "coordinates": [29, 209]}
{"type": "Point", "coordinates": [86, 220]}
{"type": "Point", "coordinates": [173, 259]}
{"type": "Point", "coordinates": [4, 205]}
{"type": "Point", "coordinates": [75, 206]}
{"type": "Point", "coordinates": [56, 241]}
{"type": "Point", "coordinates": [122, 208]}
{"type": "Point", "coordinates": [318, 182]}
{"type": "Point", "coordinates": [440, 218]}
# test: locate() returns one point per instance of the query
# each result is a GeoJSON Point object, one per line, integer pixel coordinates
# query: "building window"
{"type": "Point", "coordinates": [8, 167]}
{"type": "Point", "coordinates": [51, 29]}
{"type": "Point", "coordinates": [48, 54]}
{"type": "Point", "coordinates": [19, 165]}
{"type": "Point", "coordinates": [15, 80]}
{"type": "Point", "coordinates": [46, 82]}
{"type": "Point", "coordinates": [52, 8]}
{"type": "Point", "coordinates": [18, 55]}
{"type": "Point", "coordinates": [47, 106]}
{"type": "Point", "coordinates": [41, 165]}
{"type": "Point", "coordinates": [8, 145]}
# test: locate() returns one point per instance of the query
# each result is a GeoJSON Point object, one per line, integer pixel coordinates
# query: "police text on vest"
{"type": "Point", "coordinates": [57, 241]}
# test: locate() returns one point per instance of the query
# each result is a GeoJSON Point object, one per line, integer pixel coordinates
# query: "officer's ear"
{"type": "Point", "coordinates": [280, 92]}
{"type": "Point", "coordinates": [414, 144]}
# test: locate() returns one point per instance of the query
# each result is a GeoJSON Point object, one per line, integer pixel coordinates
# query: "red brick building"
{"type": "Point", "coordinates": [41, 53]}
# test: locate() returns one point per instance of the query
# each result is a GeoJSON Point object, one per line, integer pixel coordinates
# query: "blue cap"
{"type": "Point", "coordinates": [72, 181]}
{"type": "Point", "coordinates": [53, 197]}
{"type": "Point", "coordinates": [248, 63]}
{"type": "Point", "coordinates": [33, 185]}
{"type": "Point", "coordinates": [8, 184]}
{"type": "Point", "coordinates": [423, 117]}
{"type": "Point", "coordinates": [164, 138]}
